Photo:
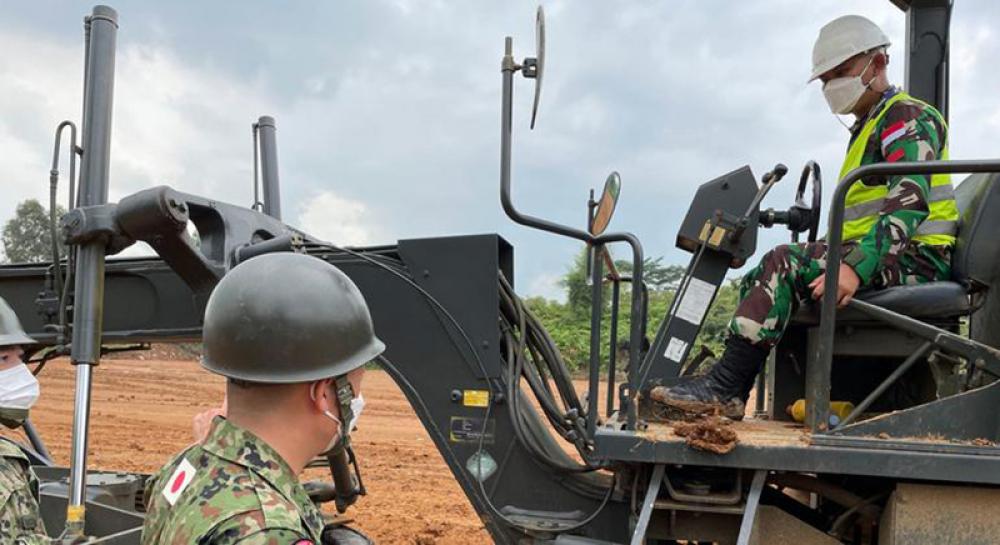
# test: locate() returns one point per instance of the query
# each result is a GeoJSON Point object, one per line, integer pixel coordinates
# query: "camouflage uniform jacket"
{"type": "Point", "coordinates": [888, 246]}
{"type": "Point", "coordinates": [20, 520]}
{"type": "Point", "coordinates": [230, 488]}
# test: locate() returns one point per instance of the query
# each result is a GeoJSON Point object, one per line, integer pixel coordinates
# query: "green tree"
{"type": "Point", "coordinates": [655, 274]}
{"type": "Point", "coordinates": [569, 323]}
{"type": "Point", "coordinates": [577, 284]}
{"type": "Point", "coordinates": [26, 236]}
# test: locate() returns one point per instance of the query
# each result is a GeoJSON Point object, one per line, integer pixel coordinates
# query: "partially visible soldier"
{"type": "Point", "coordinates": [291, 333]}
{"type": "Point", "coordinates": [20, 519]}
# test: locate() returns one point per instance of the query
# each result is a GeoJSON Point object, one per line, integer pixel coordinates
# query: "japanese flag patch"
{"type": "Point", "coordinates": [180, 480]}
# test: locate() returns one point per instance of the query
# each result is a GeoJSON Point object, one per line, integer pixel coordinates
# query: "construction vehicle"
{"type": "Point", "coordinates": [924, 468]}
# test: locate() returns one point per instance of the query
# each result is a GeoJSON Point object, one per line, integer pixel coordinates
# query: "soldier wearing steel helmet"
{"type": "Point", "coordinates": [20, 519]}
{"type": "Point", "coordinates": [897, 229]}
{"type": "Point", "coordinates": [291, 333]}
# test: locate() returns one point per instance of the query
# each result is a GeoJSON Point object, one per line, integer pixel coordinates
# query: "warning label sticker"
{"type": "Point", "coordinates": [475, 398]}
{"type": "Point", "coordinates": [675, 349]}
{"type": "Point", "coordinates": [697, 298]}
{"type": "Point", "coordinates": [467, 429]}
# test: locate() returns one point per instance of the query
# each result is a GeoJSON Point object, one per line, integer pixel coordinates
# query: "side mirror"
{"type": "Point", "coordinates": [535, 67]}
{"type": "Point", "coordinates": [606, 206]}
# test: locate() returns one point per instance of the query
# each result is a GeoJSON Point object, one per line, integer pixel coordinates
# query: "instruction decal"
{"type": "Point", "coordinates": [697, 298]}
{"type": "Point", "coordinates": [468, 429]}
{"type": "Point", "coordinates": [675, 349]}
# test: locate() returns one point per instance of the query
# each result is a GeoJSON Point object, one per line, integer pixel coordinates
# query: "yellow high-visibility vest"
{"type": "Point", "coordinates": [864, 201]}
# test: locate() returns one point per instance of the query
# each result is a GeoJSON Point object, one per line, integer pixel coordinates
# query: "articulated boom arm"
{"type": "Point", "coordinates": [227, 234]}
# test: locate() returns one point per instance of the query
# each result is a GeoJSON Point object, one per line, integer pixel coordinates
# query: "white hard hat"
{"type": "Point", "coordinates": [843, 38]}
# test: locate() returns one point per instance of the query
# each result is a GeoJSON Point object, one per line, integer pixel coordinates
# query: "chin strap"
{"type": "Point", "coordinates": [341, 458]}
{"type": "Point", "coordinates": [345, 394]}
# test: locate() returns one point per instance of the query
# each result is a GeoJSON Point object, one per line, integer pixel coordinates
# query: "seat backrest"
{"type": "Point", "coordinates": [976, 258]}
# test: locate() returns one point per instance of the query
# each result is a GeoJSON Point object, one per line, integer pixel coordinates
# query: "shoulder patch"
{"type": "Point", "coordinates": [178, 481]}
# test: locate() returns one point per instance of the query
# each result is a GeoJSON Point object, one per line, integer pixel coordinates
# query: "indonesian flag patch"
{"type": "Point", "coordinates": [181, 478]}
{"type": "Point", "coordinates": [891, 134]}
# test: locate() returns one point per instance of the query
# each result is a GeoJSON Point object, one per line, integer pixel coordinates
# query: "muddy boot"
{"type": "Point", "coordinates": [724, 389]}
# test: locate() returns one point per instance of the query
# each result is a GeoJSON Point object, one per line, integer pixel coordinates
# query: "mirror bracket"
{"type": "Point", "coordinates": [529, 68]}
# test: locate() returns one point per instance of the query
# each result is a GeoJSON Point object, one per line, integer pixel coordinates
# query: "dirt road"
{"type": "Point", "coordinates": [142, 412]}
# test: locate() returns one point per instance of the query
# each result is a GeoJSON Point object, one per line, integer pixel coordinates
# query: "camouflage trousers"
{"type": "Point", "coordinates": [773, 290]}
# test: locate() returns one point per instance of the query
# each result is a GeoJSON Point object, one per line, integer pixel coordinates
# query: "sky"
{"type": "Point", "coordinates": [388, 111]}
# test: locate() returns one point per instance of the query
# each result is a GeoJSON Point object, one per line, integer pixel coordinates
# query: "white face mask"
{"type": "Point", "coordinates": [357, 406]}
{"type": "Point", "coordinates": [842, 94]}
{"type": "Point", "coordinates": [18, 388]}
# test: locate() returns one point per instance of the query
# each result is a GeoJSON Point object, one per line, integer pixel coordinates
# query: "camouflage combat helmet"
{"type": "Point", "coordinates": [284, 318]}
{"type": "Point", "coordinates": [11, 332]}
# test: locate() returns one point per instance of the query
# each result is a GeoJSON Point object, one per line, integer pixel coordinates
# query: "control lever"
{"type": "Point", "coordinates": [768, 181]}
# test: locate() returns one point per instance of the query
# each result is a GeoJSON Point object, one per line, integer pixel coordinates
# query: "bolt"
{"type": "Point", "coordinates": [456, 396]}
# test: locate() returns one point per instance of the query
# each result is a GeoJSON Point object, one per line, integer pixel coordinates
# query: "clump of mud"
{"type": "Point", "coordinates": [710, 433]}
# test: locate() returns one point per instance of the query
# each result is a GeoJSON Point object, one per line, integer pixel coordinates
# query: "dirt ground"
{"type": "Point", "coordinates": [142, 410]}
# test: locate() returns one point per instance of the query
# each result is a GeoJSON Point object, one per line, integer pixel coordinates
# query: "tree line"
{"type": "Point", "coordinates": [568, 322]}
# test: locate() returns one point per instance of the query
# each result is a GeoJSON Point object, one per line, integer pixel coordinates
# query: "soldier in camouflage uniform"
{"type": "Point", "coordinates": [20, 519]}
{"type": "Point", "coordinates": [294, 357]}
{"type": "Point", "coordinates": [898, 229]}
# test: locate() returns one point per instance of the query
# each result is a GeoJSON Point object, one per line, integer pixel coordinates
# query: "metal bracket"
{"type": "Point", "coordinates": [753, 502]}
{"type": "Point", "coordinates": [94, 223]}
{"type": "Point", "coordinates": [653, 490]}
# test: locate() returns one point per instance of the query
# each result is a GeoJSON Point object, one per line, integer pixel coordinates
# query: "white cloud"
{"type": "Point", "coordinates": [546, 285]}
{"type": "Point", "coordinates": [392, 108]}
{"type": "Point", "coordinates": [175, 122]}
{"type": "Point", "coordinates": [339, 220]}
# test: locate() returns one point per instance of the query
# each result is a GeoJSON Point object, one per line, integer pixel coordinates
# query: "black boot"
{"type": "Point", "coordinates": [726, 385]}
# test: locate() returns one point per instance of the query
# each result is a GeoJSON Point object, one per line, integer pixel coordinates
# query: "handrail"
{"type": "Point", "coordinates": [818, 369]}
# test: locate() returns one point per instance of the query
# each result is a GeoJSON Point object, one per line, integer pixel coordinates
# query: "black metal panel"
{"type": "Point", "coordinates": [968, 416]}
{"type": "Point", "coordinates": [144, 300]}
{"type": "Point", "coordinates": [678, 331]}
{"type": "Point", "coordinates": [927, 27]}
{"type": "Point", "coordinates": [730, 194]}
{"type": "Point", "coordinates": [719, 207]}
{"type": "Point", "coordinates": [463, 272]}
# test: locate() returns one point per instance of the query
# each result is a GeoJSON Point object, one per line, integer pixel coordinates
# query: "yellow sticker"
{"type": "Point", "coordinates": [475, 398]}
{"type": "Point", "coordinates": [717, 236]}
{"type": "Point", "coordinates": [705, 229]}
{"type": "Point", "coordinates": [75, 513]}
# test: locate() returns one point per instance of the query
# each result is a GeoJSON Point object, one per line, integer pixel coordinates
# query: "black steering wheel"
{"type": "Point", "coordinates": [802, 217]}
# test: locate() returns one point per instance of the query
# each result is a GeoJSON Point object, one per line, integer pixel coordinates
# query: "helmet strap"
{"type": "Point", "coordinates": [345, 394]}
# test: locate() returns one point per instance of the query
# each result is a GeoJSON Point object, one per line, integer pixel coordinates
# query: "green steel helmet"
{"type": "Point", "coordinates": [284, 318]}
{"type": "Point", "coordinates": [11, 332]}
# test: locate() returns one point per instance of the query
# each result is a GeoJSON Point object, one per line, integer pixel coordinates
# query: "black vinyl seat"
{"type": "Point", "coordinates": [975, 263]}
